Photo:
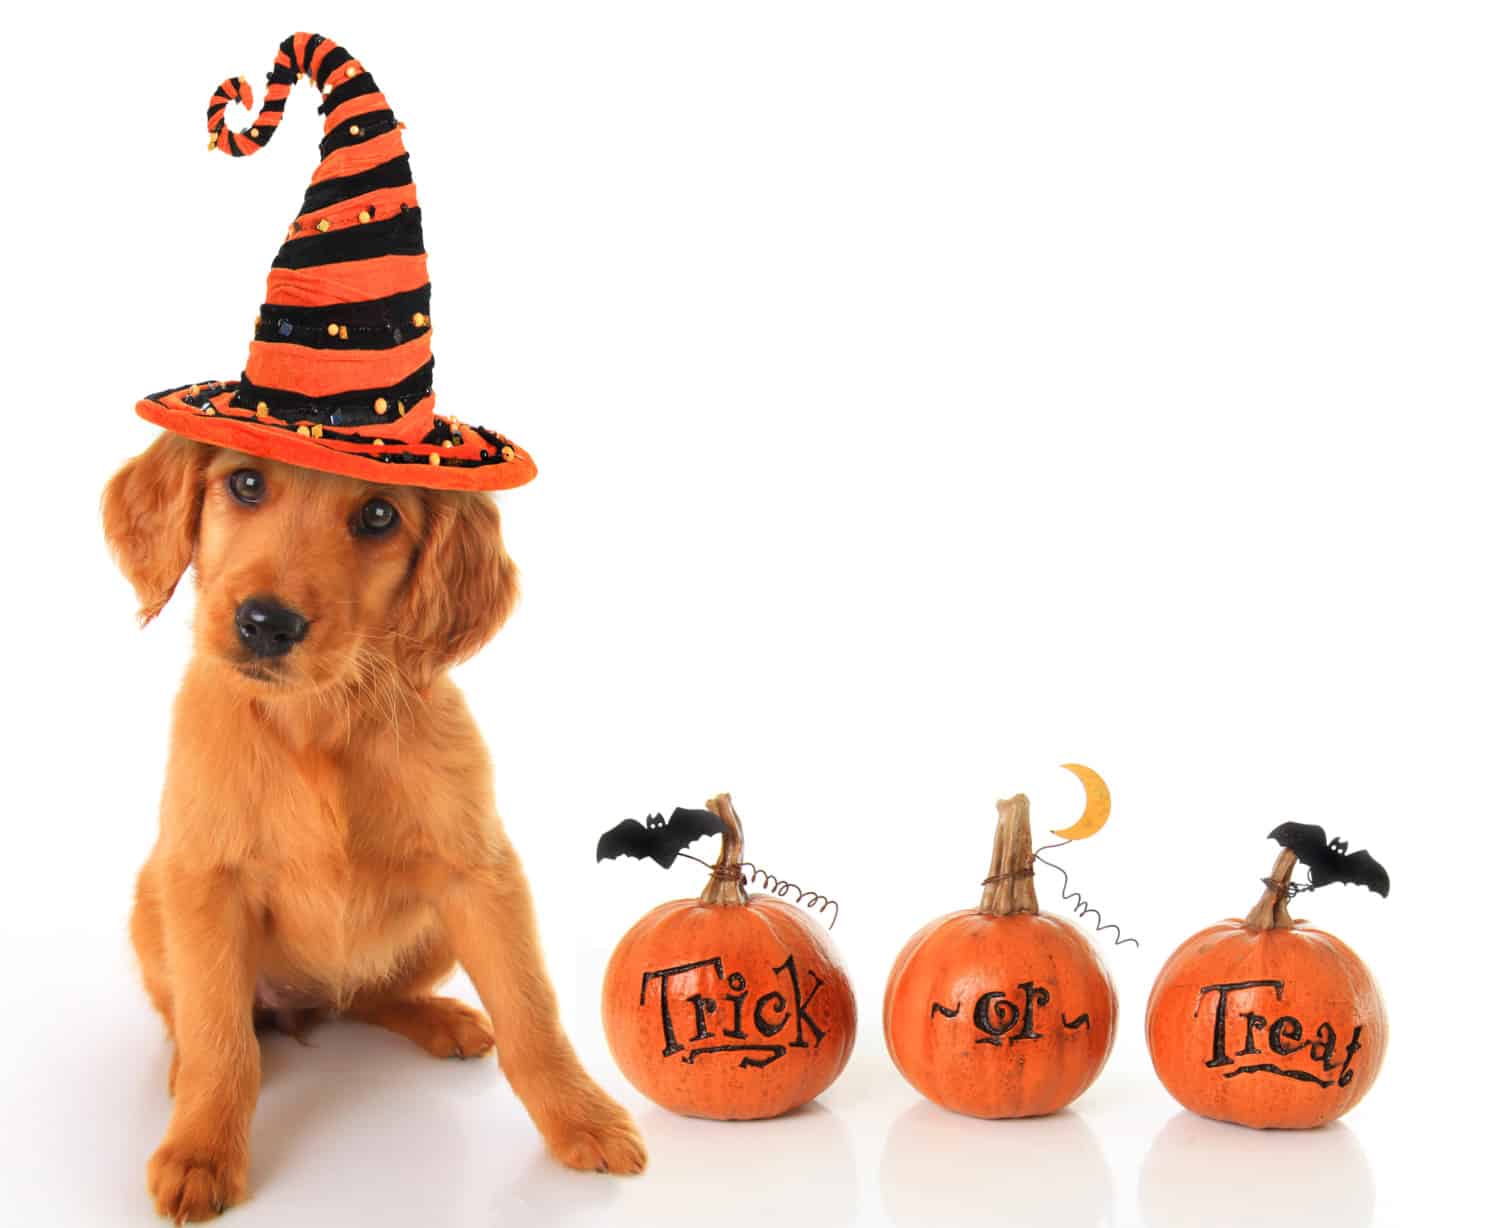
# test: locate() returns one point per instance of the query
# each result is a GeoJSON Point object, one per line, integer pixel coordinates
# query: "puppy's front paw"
{"type": "Point", "coordinates": [193, 1183]}
{"type": "Point", "coordinates": [597, 1135]}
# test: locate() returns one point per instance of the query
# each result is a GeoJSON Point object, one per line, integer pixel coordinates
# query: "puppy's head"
{"type": "Point", "coordinates": [309, 580]}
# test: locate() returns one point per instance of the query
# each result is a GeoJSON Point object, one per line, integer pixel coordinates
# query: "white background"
{"type": "Point", "coordinates": [923, 395]}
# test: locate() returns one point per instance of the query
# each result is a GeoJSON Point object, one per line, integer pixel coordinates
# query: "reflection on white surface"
{"type": "Point", "coordinates": [793, 1169]}
{"type": "Point", "coordinates": [333, 1116]}
{"type": "Point", "coordinates": [1210, 1172]}
{"type": "Point", "coordinates": [940, 1167]}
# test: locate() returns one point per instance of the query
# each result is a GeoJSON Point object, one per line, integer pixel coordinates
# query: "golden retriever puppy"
{"type": "Point", "coordinates": [328, 839]}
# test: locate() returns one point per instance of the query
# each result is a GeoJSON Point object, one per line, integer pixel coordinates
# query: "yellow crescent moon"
{"type": "Point", "coordinates": [1095, 811]}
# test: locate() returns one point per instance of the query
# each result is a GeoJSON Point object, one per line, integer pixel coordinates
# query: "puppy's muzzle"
{"type": "Point", "coordinates": [267, 628]}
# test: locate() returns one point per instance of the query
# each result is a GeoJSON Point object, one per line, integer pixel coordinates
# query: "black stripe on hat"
{"type": "Point", "coordinates": [370, 124]}
{"type": "Point", "coordinates": [336, 58]}
{"type": "Point", "coordinates": [282, 74]}
{"type": "Point", "coordinates": [455, 462]}
{"type": "Point", "coordinates": [218, 102]}
{"type": "Point", "coordinates": [398, 235]}
{"type": "Point", "coordinates": [274, 104]}
{"type": "Point", "coordinates": [376, 324]}
{"type": "Point", "coordinates": [354, 87]}
{"type": "Point", "coordinates": [181, 390]}
{"type": "Point", "coordinates": [313, 43]}
{"type": "Point", "coordinates": [393, 174]}
{"type": "Point", "coordinates": [353, 408]}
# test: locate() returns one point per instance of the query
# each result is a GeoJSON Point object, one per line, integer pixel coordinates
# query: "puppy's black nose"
{"type": "Point", "coordinates": [268, 628]}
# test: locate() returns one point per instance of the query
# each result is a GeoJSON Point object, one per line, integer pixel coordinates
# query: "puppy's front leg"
{"type": "Point", "coordinates": [488, 915]}
{"type": "Point", "coordinates": [201, 1165]}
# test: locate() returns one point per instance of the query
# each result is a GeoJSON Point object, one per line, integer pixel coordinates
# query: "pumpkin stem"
{"type": "Point", "coordinates": [1009, 887]}
{"type": "Point", "coordinates": [1270, 911]}
{"type": "Point", "coordinates": [726, 884]}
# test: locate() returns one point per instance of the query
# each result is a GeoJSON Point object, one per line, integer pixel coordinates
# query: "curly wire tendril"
{"type": "Point", "coordinates": [1081, 907]}
{"type": "Point", "coordinates": [748, 874]}
{"type": "Point", "coordinates": [1289, 890]}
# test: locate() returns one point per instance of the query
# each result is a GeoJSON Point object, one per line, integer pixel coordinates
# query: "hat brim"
{"type": "Point", "coordinates": [479, 460]}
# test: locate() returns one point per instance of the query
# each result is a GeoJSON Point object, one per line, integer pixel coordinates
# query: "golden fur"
{"type": "Point", "coordinates": [328, 839]}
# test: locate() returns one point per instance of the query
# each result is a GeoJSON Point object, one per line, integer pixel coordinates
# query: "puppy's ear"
{"type": "Point", "coordinates": [151, 509]}
{"type": "Point", "coordinates": [461, 588]}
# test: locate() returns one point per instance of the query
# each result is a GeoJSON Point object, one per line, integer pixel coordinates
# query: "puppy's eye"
{"type": "Point", "coordinates": [247, 486]}
{"type": "Point", "coordinates": [376, 517]}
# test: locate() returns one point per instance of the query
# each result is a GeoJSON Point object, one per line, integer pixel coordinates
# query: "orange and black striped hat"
{"type": "Point", "coordinates": [339, 376]}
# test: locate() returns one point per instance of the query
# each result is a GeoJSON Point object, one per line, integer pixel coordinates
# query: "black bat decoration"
{"type": "Point", "coordinates": [1330, 861]}
{"type": "Point", "coordinates": [660, 839]}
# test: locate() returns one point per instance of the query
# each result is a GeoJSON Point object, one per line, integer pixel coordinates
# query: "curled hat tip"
{"type": "Point", "coordinates": [251, 139]}
{"type": "Point", "coordinates": [298, 55]}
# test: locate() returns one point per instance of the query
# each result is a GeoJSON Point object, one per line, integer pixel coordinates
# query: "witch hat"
{"type": "Point", "coordinates": [339, 376]}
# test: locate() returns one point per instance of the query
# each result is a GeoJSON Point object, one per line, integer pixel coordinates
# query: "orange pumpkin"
{"type": "Point", "coordinates": [1001, 1010]}
{"type": "Point", "coordinates": [731, 1005]}
{"type": "Point", "coordinates": [1266, 1022]}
